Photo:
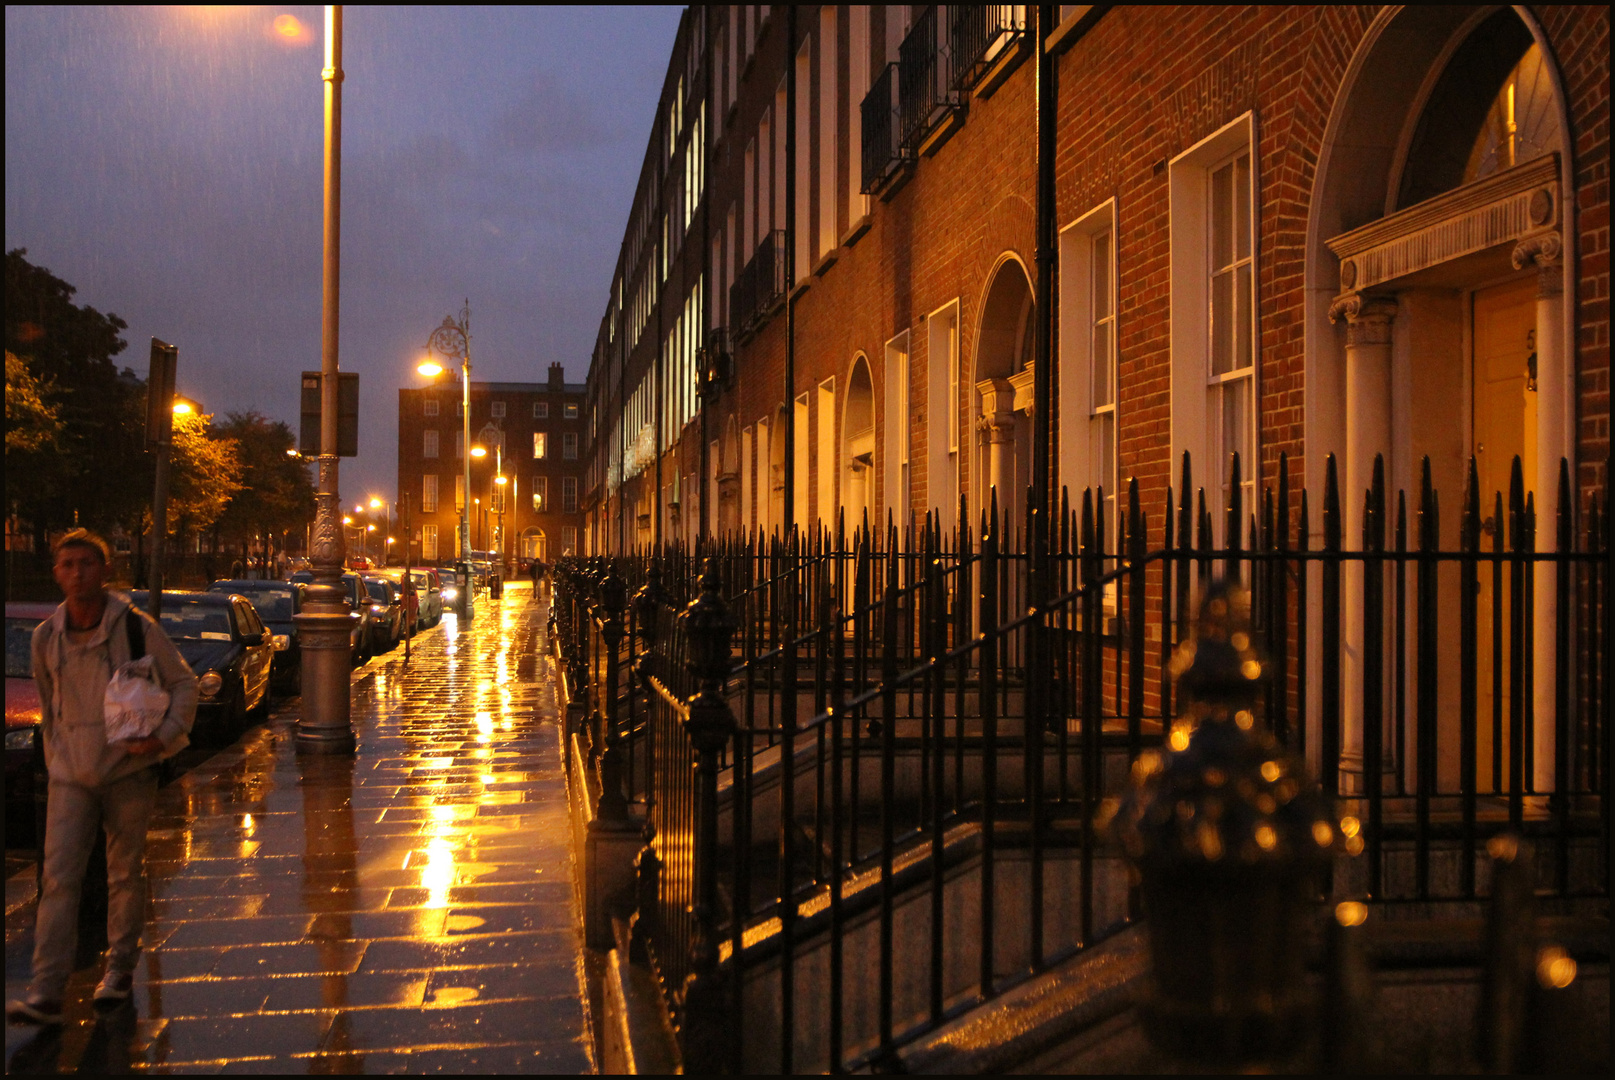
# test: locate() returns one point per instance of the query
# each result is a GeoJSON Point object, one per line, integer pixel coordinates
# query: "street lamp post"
{"type": "Point", "coordinates": [324, 624]}
{"type": "Point", "coordinates": [452, 341]}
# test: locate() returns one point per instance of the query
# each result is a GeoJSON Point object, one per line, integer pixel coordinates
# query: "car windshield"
{"type": "Point", "coordinates": [210, 622]}
{"type": "Point", "coordinates": [378, 591]}
{"type": "Point", "coordinates": [272, 604]}
{"type": "Point", "coordinates": [19, 643]}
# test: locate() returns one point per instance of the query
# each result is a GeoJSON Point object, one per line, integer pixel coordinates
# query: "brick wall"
{"type": "Point", "coordinates": [1137, 88]}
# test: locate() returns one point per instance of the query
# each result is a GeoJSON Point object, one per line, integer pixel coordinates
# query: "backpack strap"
{"type": "Point", "coordinates": [133, 625]}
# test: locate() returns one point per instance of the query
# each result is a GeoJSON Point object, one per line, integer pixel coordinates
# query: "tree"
{"type": "Point", "coordinates": [205, 475]}
{"type": "Point", "coordinates": [96, 473]}
{"type": "Point", "coordinates": [32, 423]}
{"type": "Point", "coordinates": [276, 494]}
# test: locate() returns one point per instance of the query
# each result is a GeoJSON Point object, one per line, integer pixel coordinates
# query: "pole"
{"type": "Point", "coordinates": [789, 500]}
{"type": "Point", "coordinates": [160, 439]}
{"type": "Point", "coordinates": [159, 529]}
{"type": "Point", "coordinates": [1043, 342]}
{"type": "Point", "coordinates": [411, 600]}
{"type": "Point", "coordinates": [325, 726]}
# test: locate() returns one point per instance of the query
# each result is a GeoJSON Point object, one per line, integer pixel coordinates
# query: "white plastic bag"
{"type": "Point", "coordinates": [135, 704]}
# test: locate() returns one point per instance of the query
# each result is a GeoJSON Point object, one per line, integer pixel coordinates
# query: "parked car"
{"type": "Point", "coordinates": [387, 611]}
{"type": "Point", "coordinates": [430, 592]}
{"type": "Point", "coordinates": [276, 602]}
{"type": "Point", "coordinates": [226, 644]}
{"type": "Point", "coordinates": [424, 599]}
{"type": "Point", "coordinates": [452, 581]}
{"type": "Point", "coordinates": [22, 719]}
{"type": "Point", "coordinates": [361, 637]}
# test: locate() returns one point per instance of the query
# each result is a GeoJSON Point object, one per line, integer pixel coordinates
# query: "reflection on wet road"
{"type": "Point", "coordinates": [409, 909]}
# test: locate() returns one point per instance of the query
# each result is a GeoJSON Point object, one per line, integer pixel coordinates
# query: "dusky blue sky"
{"type": "Point", "coordinates": [167, 162]}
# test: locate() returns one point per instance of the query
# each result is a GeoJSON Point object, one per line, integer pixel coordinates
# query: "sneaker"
{"type": "Point", "coordinates": [44, 1013]}
{"type": "Point", "coordinates": [114, 987]}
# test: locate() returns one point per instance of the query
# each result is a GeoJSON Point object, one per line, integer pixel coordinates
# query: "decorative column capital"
{"type": "Point", "coordinates": [1546, 250]}
{"type": "Point", "coordinates": [1368, 318]}
{"type": "Point", "coordinates": [997, 418]}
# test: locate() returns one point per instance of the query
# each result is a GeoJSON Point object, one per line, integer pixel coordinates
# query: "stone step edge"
{"type": "Point", "coordinates": [1044, 1011]}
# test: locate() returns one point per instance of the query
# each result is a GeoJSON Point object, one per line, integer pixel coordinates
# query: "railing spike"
{"type": "Point", "coordinates": [1331, 505]}
{"type": "Point", "coordinates": [1283, 521]}
{"type": "Point", "coordinates": [1565, 532]}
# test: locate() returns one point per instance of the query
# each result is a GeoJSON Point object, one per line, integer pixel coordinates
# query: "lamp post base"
{"type": "Point", "coordinates": [325, 726]}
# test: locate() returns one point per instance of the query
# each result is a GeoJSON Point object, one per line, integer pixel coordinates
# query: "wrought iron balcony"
{"type": "Point", "coordinates": [761, 285]}
{"type": "Point", "coordinates": [925, 92]}
{"type": "Point", "coordinates": [979, 35]}
{"type": "Point", "coordinates": [883, 151]}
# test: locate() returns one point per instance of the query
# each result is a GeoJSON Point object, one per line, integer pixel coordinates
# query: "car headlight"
{"type": "Point", "coordinates": [377, 609]}
{"type": "Point", "coordinates": [20, 739]}
{"type": "Point", "coordinates": [449, 594]}
{"type": "Point", "coordinates": [210, 684]}
{"type": "Point", "coordinates": [282, 642]}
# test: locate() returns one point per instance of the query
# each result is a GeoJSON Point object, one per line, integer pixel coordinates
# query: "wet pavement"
{"type": "Point", "coordinates": [408, 909]}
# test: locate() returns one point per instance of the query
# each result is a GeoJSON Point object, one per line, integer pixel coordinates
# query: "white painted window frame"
{"type": "Point", "coordinates": [1196, 426]}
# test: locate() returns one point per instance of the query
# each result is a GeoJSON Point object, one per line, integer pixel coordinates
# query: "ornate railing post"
{"type": "Point", "coordinates": [612, 838]}
{"type": "Point", "coordinates": [1231, 842]}
{"type": "Point", "coordinates": [705, 1031]}
{"type": "Point", "coordinates": [647, 865]}
{"type": "Point", "coordinates": [613, 601]}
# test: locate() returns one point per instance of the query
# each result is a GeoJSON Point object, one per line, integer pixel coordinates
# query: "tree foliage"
{"type": "Point", "coordinates": [75, 431]}
{"type": "Point", "coordinates": [32, 423]}
{"type": "Point", "coordinates": [276, 494]}
{"type": "Point", "coordinates": [94, 471]}
{"type": "Point", "coordinates": [205, 475]}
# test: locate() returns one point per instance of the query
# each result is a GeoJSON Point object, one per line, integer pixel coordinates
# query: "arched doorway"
{"type": "Point", "coordinates": [534, 544]}
{"type": "Point", "coordinates": [1438, 277]}
{"type": "Point", "coordinates": [858, 444]}
{"type": "Point", "coordinates": [727, 489]}
{"type": "Point", "coordinates": [1002, 395]}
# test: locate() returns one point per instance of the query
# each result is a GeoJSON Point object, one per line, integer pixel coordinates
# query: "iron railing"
{"type": "Point", "coordinates": [924, 82]}
{"type": "Point", "coordinates": [883, 151]}
{"type": "Point", "coordinates": [904, 818]}
{"type": "Point", "coordinates": [760, 285]}
{"type": "Point", "coordinates": [980, 34]}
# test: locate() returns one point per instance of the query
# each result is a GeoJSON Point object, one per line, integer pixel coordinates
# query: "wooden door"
{"type": "Point", "coordinates": [1503, 426]}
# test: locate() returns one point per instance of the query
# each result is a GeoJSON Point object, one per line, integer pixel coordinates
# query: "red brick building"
{"type": "Point", "coordinates": [1281, 230]}
{"type": "Point", "coordinates": [537, 430]}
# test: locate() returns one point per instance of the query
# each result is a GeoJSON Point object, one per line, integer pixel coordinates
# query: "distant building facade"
{"type": "Point", "coordinates": [1279, 231]}
{"type": "Point", "coordinates": [540, 428]}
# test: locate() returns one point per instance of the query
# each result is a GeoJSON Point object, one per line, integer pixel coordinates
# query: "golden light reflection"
{"type": "Point", "coordinates": [248, 824]}
{"type": "Point", "coordinates": [1179, 739]}
{"type": "Point", "coordinates": [484, 725]}
{"type": "Point", "coordinates": [1555, 970]}
{"type": "Point", "coordinates": [438, 873]}
{"type": "Point", "coordinates": [1270, 771]}
{"type": "Point", "coordinates": [1350, 826]}
{"type": "Point", "coordinates": [1322, 834]}
{"type": "Point", "coordinates": [1266, 838]}
{"type": "Point", "coordinates": [1351, 913]}
{"type": "Point", "coordinates": [1244, 719]}
{"type": "Point", "coordinates": [290, 29]}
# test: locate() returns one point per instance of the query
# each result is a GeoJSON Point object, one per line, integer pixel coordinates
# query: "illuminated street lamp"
{"type": "Point", "coordinates": [325, 623]}
{"type": "Point", "coordinates": [452, 341]}
{"type": "Point", "coordinates": [497, 505]}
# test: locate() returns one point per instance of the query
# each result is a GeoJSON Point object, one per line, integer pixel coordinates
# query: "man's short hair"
{"type": "Point", "coordinates": [83, 538]}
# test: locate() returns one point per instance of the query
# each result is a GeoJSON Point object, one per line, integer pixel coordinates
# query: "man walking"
{"type": "Point", "coordinates": [94, 784]}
